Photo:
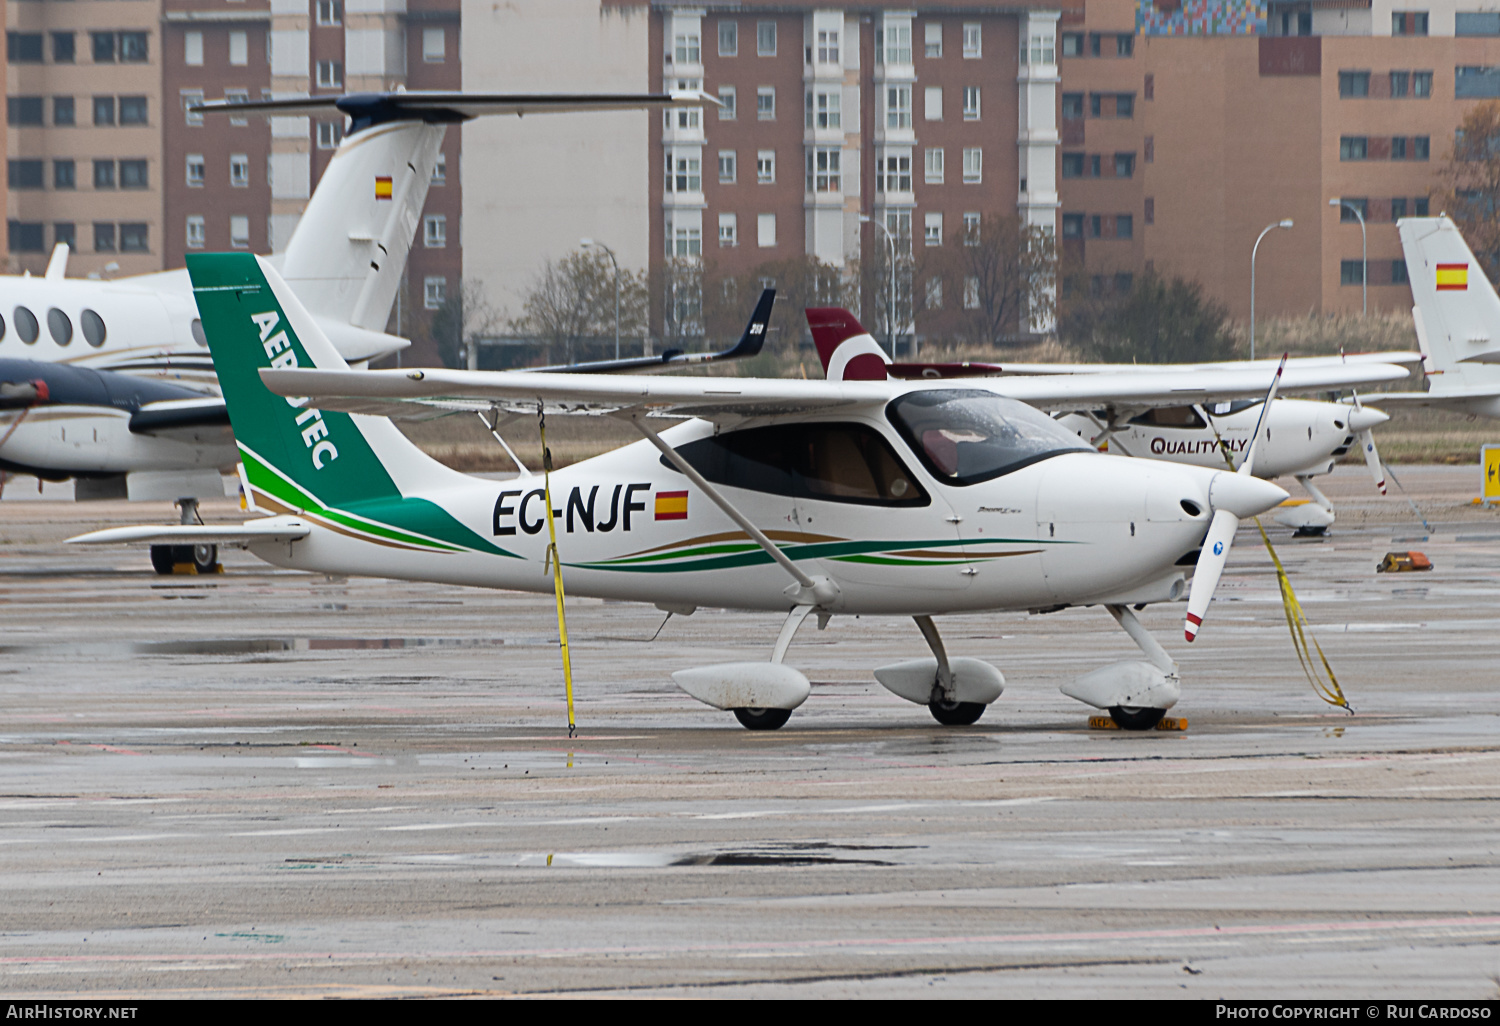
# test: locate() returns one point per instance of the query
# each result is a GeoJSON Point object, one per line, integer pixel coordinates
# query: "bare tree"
{"type": "Point", "coordinates": [1471, 184]}
{"type": "Point", "coordinates": [573, 299]}
{"type": "Point", "coordinates": [989, 283]}
{"type": "Point", "coordinates": [464, 317]}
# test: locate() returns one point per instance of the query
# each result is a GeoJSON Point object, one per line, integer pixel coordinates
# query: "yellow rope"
{"type": "Point", "coordinates": [552, 558]}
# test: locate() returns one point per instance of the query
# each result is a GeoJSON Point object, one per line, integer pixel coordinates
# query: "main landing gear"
{"type": "Point", "coordinates": [204, 559]}
{"type": "Point", "coordinates": [955, 691]}
{"type": "Point", "coordinates": [1136, 694]}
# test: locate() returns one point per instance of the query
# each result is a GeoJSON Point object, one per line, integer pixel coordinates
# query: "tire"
{"type": "Point", "coordinates": [762, 719]}
{"type": "Point", "coordinates": [162, 559]}
{"type": "Point", "coordinates": [1132, 718]}
{"type": "Point", "coordinates": [956, 714]}
{"type": "Point", "coordinates": [206, 558]}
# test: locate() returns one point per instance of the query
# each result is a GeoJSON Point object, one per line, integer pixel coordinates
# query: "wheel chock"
{"type": "Point", "coordinates": [1167, 723]}
{"type": "Point", "coordinates": [1403, 562]}
{"type": "Point", "coordinates": [192, 568]}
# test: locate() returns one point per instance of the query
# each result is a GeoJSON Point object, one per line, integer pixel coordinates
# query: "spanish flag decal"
{"type": "Point", "coordinates": [671, 505]}
{"type": "Point", "coordinates": [382, 187]}
{"type": "Point", "coordinates": [1452, 277]}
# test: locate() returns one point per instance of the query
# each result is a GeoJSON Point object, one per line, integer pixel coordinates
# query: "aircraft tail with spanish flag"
{"type": "Point", "coordinates": [1456, 313]}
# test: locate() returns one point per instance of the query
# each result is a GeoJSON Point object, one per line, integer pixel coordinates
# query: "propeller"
{"type": "Point", "coordinates": [1232, 497]}
{"type": "Point", "coordinates": [1361, 420]}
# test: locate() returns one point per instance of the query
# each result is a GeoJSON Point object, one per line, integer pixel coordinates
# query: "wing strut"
{"type": "Point", "coordinates": [809, 591]}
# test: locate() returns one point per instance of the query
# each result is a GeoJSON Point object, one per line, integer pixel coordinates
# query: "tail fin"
{"type": "Point", "coordinates": [847, 350]}
{"type": "Point", "coordinates": [355, 474]}
{"type": "Point", "coordinates": [1457, 311]}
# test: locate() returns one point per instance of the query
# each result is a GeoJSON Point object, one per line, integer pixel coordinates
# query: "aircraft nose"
{"type": "Point", "coordinates": [1366, 417]}
{"type": "Point", "coordinates": [1243, 495]}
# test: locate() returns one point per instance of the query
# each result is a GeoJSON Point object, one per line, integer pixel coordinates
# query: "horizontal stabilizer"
{"type": "Point", "coordinates": [366, 109]}
{"type": "Point", "coordinates": [197, 534]}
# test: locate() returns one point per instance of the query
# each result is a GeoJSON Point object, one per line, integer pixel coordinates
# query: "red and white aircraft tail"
{"type": "Point", "coordinates": [848, 352]}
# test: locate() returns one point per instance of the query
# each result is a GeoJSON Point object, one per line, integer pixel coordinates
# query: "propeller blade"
{"type": "Point", "coordinates": [1210, 566]}
{"type": "Point", "coordinates": [1247, 467]}
{"type": "Point", "coordinates": [1372, 459]}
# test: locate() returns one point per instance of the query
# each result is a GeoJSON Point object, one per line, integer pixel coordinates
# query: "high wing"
{"type": "Point", "coordinates": [388, 392]}
{"type": "Point", "coordinates": [975, 369]}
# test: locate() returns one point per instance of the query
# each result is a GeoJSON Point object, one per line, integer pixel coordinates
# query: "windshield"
{"type": "Point", "coordinates": [966, 436]}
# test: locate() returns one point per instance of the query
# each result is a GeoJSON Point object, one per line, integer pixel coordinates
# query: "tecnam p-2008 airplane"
{"type": "Point", "coordinates": [802, 497]}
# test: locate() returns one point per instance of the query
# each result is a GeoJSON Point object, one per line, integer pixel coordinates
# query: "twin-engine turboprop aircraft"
{"type": "Point", "coordinates": [802, 497]}
{"type": "Point", "coordinates": [1302, 437]}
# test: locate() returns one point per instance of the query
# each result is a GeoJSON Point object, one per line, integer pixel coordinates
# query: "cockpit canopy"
{"type": "Point", "coordinates": [965, 436]}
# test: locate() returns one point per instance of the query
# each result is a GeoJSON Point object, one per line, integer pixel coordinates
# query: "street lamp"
{"type": "Point", "coordinates": [586, 244]}
{"type": "Point", "coordinates": [1364, 254]}
{"type": "Point", "coordinates": [891, 295]}
{"type": "Point", "coordinates": [1268, 229]}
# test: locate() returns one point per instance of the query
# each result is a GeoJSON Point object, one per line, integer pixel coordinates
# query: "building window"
{"type": "Point", "coordinates": [195, 170]}
{"type": "Point", "coordinates": [1419, 205]}
{"type": "Point", "coordinates": [1398, 148]}
{"type": "Point", "coordinates": [688, 117]}
{"type": "Point", "coordinates": [898, 107]}
{"type": "Point", "coordinates": [104, 174]}
{"type": "Point", "coordinates": [134, 239]}
{"type": "Point", "coordinates": [1398, 208]}
{"type": "Point", "coordinates": [25, 174]}
{"type": "Point", "coordinates": [239, 48]}
{"type": "Point", "coordinates": [1095, 226]}
{"type": "Point", "coordinates": [239, 171]}
{"type": "Point", "coordinates": [823, 109]}
{"type": "Point", "coordinates": [1421, 147]}
{"type": "Point", "coordinates": [435, 231]}
{"type": "Point", "coordinates": [1398, 273]}
{"type": "Point", "coordinates": [1043, 49]}
{"type": "Point", "coordinates": [197, 233]}
{"type": "Point", "coordinates": [932, 103]}
{"type": "Point", "coordinates": [26, 237]}
{"type": "Point", "coordinates": [765, 167]}
{"type": "Point", "coordinates": [330, 74]}
{"type": "Point", "coordinates": [933, 229]}
{"type": "Point", "coordinates": [765, 103]}
{"type": "Point", "coordinates": [1124, 226]}
{"type": "Point", "coordinates": [64, 48]}
{"type": "Point", "coordinates": [1072, 226]}
{"type": "Point", "coordinates": [971, 103]}
{"type": "Point", "coordinates": [190, 99]}
{"type": "Point", "coordinates": [1072, 106]}
{"type": "Point", "coordinates": [104, 111]}
{"type": "Point", "coordinates": [828, 46]}
{"type": "Point", "coordinates": [972, 40]}
{"type": "Point", "coordinates": [434, 292]}
{"type": "Point", "coordinates": [24, 110]}
{"type": "Point", "coordinates": [898, 223]}
{"type": "Point", "coordinates": [102, 46]}
{"type": "Point", "coordinates": [434, 45]}
{"type": "Point", "coordinates": [729, 230]}
{"type": "Point", "coordinates": [684, 241]}
{"type": "Point", "coordinates": [439, 167]}
{"type": "Point", "coordinates": [1414, 23]}
{"type": "Point", "coordinates": [1353, 147]}
{"type": "Point", "coordinates": [971, 293]}
{"type": "Point", "coordinates": [134, 175]}
{"type": "Point", "coordinates": [1351, 272]}
{"type": "Point", "coordinates": [1072, 44]}
{"type": "Point", "coordinates": [765, 230]}
{"type": "Point", "coordinates": [192, 49]}
{"type": "Point", "coordinates": [1354, 84]}
{"type": "Point", "coordinates": [726, 103]}
{"type": "Point", "coordinates": [893, 44]}
{"type": "Point", "coordinates": [893, 172]}
{"type": "Point", "coordinates": [66, 233]}
{"type": "Point", "coordinates": [1421, 84]}
{"type": "Point", "coordinates": [684, 173]}
{"type": "Point", "coordinates": [331, 133]}
{"type": "Point", "coordinates": [729, 39]}
{"type": "Point", "coordinates": [133, 110]}
{"type": "Point", "coordinates": [1124, 45]}
{"type": "Point", "coordinates": [1360, 203]}
{"type": "Point", "coordinates": [1150, 211]}
{"type": "Point", "coordinates": [1125, 105]}
{"type": "Point", "coordinates": [823, 169]}
{"type": "Point", "coordinates": [1072, 165]}
{"type": "Point", "coordinates": [1124, 165]}
{"type": "Point", "coordinates": [23, 47]}
{"type": "Point", "coordinates": [934, 297]}
{"type": "Point", "coordinates": [933, 40]}
{"type": "Point", "coordinates": [728, 167]}
{"type": "Point", "coordinates": [1400, 84]}
{"type": "Point", "coordinates": [973, 166]}
{"type": "Point", "coordinates": [972, 221]}
{"type": "Point", "coordinates": [64, 174]}
{"type": "Point", "coordinates": [239, 232]}
{"type": "Point", "coordinates": [330, 12]}
{"type": "Point", "coordinates": [63, 111]}
{"type": "Point", "coordinates": [765, 39]}
{"type": "Point", "coordinates": [933, 166]}
{"type": "Point", "coordinates": [686, 49]}
{"type": "Point", "coordinates": [104, 237]}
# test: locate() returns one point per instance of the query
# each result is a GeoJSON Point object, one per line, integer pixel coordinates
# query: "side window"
{"type": "Point", "coordinates": [1171, 416]}
{"type": "Point", "coordinates": [828, 462]}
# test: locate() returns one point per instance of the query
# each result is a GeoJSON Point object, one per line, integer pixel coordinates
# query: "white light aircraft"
{"type": "Point", "coordinates": [1302, 437]}
{"type": "Point", "coordinates": [802, 497]}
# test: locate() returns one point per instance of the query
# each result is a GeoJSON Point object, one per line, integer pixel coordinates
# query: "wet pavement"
{"type": "Point", "coordinates": [273, 784]}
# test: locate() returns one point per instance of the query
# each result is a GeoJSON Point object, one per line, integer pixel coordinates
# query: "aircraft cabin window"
{"type": "Point", "coordinates": [93, 328]}
{"type": "Point", "coordinates": [198, 335]}
{"type": "Point", "coordinates": [967, 436]}
{"type": "Point", "coordinates": [60, 326]}
{"type": "Point", "coordinates": [829, 462]}
{"type": "Point", "coordinates": [1170, 416]}
{"type": "Point", "coordinates": [2, 329]}
{"type": "Point", "coordinates": [1223, 409]}
{"type": "Point", "coordinates": [26, 325]}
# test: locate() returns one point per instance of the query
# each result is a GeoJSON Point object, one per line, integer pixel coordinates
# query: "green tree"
{"type": "Point", "coordinates": [1159, 320]}
{"type": "Point", "coordinates": [1470, 192]}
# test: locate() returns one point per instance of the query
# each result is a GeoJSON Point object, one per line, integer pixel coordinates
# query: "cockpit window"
{"type": "Point", "coordinates": [830, 462]}
{"type": "Point", "coordinates": [967, 436]}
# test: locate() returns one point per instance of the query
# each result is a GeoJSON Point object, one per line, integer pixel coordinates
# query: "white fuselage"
{"type": "Point", "coordinates": [66, 440]}
{"type": "Point", "coordinates": [1300, 436]}
{"type": "Point", "coordinates": [1072, 528]}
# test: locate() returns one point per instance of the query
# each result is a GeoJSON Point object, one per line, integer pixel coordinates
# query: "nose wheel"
{"type": "Point", "coordinates": [1135, 718]}
{"type": "Point", "coordinates": [762, 719]}
{"type": "Point", "coordinates": [956, 714]}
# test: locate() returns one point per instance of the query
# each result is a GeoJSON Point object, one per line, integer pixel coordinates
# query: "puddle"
{"type": "Point", "coordinates": [816, 854]}
{"type": "Point", "coordinates": [250, 646]}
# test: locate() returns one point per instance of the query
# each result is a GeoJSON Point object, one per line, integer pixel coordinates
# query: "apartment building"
{"type": "Point", "coordinates": [1188, 129]}
{"type": "Point", "coordinates": [105, 154]}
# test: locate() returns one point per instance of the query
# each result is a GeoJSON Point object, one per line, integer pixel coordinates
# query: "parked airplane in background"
{"type": "Point", "coordinates": [1303, 437]}
{"type": "Point", "coordinates": [804, 497]}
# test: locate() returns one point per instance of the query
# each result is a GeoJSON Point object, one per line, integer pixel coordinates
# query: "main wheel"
{"type": "Point", "coordinates": [762, 719]}
{"type": "Point", "coordinates": [205, 558]}
{"type": "Point", "coordinates": [162, 558]}
{"type": "Point", "coordinates": [956, 714]}
{"type": "Point", "coordinates": [1134, 718]}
